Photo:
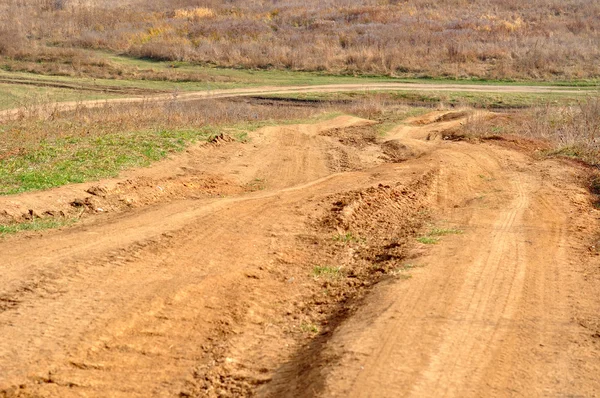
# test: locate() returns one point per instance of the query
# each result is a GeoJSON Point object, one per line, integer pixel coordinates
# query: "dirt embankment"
{"type": "Point", "coordinates": [289, 266]}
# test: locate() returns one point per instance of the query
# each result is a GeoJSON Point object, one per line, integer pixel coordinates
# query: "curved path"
{"type": "Point", "coordinates": [328, 88]}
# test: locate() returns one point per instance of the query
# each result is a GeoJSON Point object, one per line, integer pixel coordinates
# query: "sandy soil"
{"type": "Point", "coordinates": [289, 266]}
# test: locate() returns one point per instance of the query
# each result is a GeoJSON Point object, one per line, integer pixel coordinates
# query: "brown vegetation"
{"type": "Point", "coordinates": [571, 131]}
{"type": "Point", "coordinates": [33, 127]}
{"type": "Point", "coordinates": [41, 123]}
{"type": "Point", "coordinates": [550, 39]}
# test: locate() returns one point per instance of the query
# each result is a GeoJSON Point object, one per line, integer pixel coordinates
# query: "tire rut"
{"type": "Point", "coordinates": [219, 296]}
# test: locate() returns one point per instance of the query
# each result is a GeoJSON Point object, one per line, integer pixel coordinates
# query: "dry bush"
{"type": "Point", "coordinates": [369, 106]}
{"type": "Point", "coordinates": [11, 42]}
{"type": "Point", "coordinates": [550, 39]}
{"type": "Point", "coordinates": [572, 131]}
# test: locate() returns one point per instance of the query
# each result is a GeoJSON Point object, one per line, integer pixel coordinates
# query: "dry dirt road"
{"type": "Point", "coordinates": [274, 90]}
{"type": "Point", "coordinates": [290, 266]}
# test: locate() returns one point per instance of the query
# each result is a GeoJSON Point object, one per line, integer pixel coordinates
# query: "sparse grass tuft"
{"type": "Point", "coordinates": [433, 236]}
{"type": "Point", "coordinates": [427, 240]}
{"type": "Point", "coordinates": [401, 272]}
{"type": "Point", "coordinates": [444, 231]}
{"type": "Point", "coordinates": [309, 328]}
{"type": "Point", "coordinates": [404, 268]}
{"type": "Point", "coordinates": [257, 184]}
{"type": "Point", "coordinates": [348, 237]}
{"type": "Point", "coordinates": [327, 271]}
{"type": "Point", "coordinates": [37, 224]}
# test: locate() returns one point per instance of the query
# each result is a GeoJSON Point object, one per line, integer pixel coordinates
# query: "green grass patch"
{"type": "Point", "coordinates": [444, 231]}
{"type": "Point", "coordinates": [15, 96]}
{"type": "Point", "coordinates": [60, 161]}
{"type": "Point", "coordinates": [327, 271]}
{"type": "Point", "coordinates": [433, 236]}
{"type": "Point", "coordinates": [348, 237]}
{"type": "Point", "coordinates": [207, 78]}
{"type": "Point", "coordinates": [309, 328]}
{"type": "Point", "coordinates": [37, 224]}
{"type": "Point", "coordinates": [79, 159]}
{"type": "Point", "coordinates": [286, 76]}
{"type": "Point", "coordinates": [428, 240]}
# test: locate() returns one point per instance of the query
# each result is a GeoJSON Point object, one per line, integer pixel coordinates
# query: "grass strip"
{"type": "Point", "coordinates": [78, 159]}
{"type": "Point", "coordinates": [37, 224]}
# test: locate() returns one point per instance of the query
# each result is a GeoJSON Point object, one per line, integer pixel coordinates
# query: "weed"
{"type": "Point", "coordinates": [309, 328]}
{"type": "Point", "coordinates": [257, 184]}
{"type": "Point", "coordinates": [432, 237]}
{"type": "Point", "coordinates": [427, 240]}
{"type": "Point", "coordinates": [239, 33]}
{"type": "Point", "coordinates": [327, 271]}
{"type": "Point", "coordinates": [552, 129]}
{"type": "Point", "coordinates": [444, 231]}
{"type": "Point", "coordinates": [37, 224]}
{"type": "Point", "coordinates": [348, 237]}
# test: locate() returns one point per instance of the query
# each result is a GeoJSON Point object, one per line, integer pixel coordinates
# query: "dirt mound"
{"type": "Point", "coordinates": [446, 117]}
{"type": "Point", "coordinates": [220, 139]}
{"type": "Point", "coordinates": [112, 197]}
{"type": "Point", "coordinates": [360, 136]}
{"type": "Point", "coordinates": [336, 260]}
{"type": "Point", "coordinates": [436, 117]}
{"type": "Point", "coordinates": [397, 151]}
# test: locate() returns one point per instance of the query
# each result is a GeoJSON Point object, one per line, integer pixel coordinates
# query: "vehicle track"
{"type": "Point", "coordinates": [480, 317]}
{"type": "Point", "coordinates": [213, 295]}
{"type": "Point", "coordinates": [274, 90]}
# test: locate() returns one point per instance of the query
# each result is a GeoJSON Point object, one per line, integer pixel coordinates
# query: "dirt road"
{"type": "Point", "coordinates": [273, 90]}
{"type": "Point", "coordinates": [290, 266]}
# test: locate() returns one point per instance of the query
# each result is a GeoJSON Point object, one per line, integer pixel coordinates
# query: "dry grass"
{"type": "Point", "coordinates": [571, 131]}
{"type": "Point", "coordinates": [49, 148]}
{"type": "Point", "coordinates": [39, 151]}
{"type": "Point", "coordinates": [41, 122]}
{"type": "Point", "coordinates": [540, 39]}
{"type": "Point", "coordinates": [33, 128]}
{"type": "Point", "coordinates": [575, 130]}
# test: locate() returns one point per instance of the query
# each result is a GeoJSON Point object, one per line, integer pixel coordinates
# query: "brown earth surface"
{"type": "Point", "coordinates": [289, 265]}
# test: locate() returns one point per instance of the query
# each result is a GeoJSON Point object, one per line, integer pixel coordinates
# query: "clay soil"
{"type": "Point", "coordinates": [312, 260]}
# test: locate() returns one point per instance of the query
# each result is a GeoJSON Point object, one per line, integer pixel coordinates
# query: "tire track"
{"type": "Point", "coordinates": [488, 315]}
{"type": "Point", "coordinates": [497, 271]}
{"type": "Point", "coordinates": [274, 90]}
{"type": "Point", "coordinates": [136, 315]}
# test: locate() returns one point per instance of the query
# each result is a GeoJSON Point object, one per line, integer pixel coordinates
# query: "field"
{"type": "Point", "coordinates": [299, 199]}
{"type": "Point", "coordinates": [542, 39]}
